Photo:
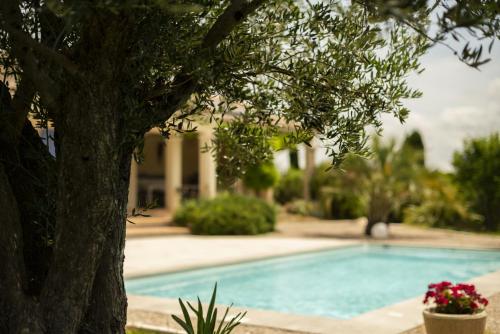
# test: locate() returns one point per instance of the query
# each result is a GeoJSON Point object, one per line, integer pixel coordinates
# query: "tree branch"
{"type": "Point", "coordinates": [234, 14]}
{"type": "Point", "coordinates": [48, 53]}
{"type": "Point", "coordinates": [173, 96]}
{"type": "Point", "coordinates": [35, 79]}
{"type": "Point", "coordinates": [21, 103]}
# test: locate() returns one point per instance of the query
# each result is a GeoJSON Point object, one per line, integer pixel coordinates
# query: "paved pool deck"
{"type": "Point", "coordinates": [160, 254]}
{"type": "Point", "coordinates": [149, 256]}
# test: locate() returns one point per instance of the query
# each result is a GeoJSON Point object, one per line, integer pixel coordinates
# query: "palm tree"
{"type": "Point", "coordinates": [392, 179]}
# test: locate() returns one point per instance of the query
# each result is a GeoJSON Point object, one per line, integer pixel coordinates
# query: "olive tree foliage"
{"type": "Point", "coordinates": [280, 62]}
{"type": "Point", "coordinates": [330, 68]}
{"type": "Point", "coordinates": [104, 72]}
{"type": "Point", "coordinates": [322, 70]}
{"type": "Point", "coordinates": [468, 28]}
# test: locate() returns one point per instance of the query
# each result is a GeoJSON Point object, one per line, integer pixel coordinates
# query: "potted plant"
{"type": "Point", "coordinates": [456, 309]}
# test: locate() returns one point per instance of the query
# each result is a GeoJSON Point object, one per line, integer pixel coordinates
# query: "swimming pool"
{"type": "Point", "coordinates": [340, 283]}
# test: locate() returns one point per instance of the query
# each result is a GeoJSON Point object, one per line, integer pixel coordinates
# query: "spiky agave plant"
{"type": "Point", "coordinates": [206, 324]}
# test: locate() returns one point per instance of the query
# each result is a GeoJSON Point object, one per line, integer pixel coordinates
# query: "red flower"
{"type": "Point", "coordinates": [460, 298]}
{"type": "Point", "coordinates": [442, 300]}
{"type": "Point", "coordinates": [455, 291]}
{"type": "Point", "coordinates": [484, 301]}
{"type": "Point", "coordinates": [429, 294]}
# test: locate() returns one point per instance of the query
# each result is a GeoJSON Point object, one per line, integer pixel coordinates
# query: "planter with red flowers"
{"type": "Point", "coordinates": [455, 309]}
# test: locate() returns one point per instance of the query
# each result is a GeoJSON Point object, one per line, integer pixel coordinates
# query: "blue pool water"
{"type": "Point", "coordinates": [339, 283]}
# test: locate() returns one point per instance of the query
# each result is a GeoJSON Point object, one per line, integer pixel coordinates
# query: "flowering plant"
{"type": "Point", "coordinates": [455, 299]}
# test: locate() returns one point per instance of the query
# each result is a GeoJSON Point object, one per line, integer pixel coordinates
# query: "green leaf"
{"type": "Point", "coordinates": [210, 310]}
{"type": "Point", "coordinates": [187, 328]}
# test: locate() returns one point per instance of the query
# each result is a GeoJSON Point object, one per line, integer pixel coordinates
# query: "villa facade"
{"type": "Point", "coordinates": [177, 169]}
{"type": "Point", "coordinates": [173, 170]}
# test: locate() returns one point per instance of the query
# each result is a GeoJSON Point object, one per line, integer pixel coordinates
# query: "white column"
{"type": "Point", "coordinates": [133, 186]}
{"type": "Point", "coordinates": [173, 173]}
{"type": "Point", "coordinates": [207, 169]}
{"type": "Point", "coordinates": [308, 171]}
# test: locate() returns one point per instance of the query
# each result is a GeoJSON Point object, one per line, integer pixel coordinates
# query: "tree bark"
{"type": "Point", "coordinates": [18, 310]}
{"type": "Point", "coordinates": [379, 207]}
{"type": "Point", "coordinates": [11, 274]}
{"type": "Point", "coordinates": [83, 290]}
{"type": "Point", "coordinates": [91, 206]}
{"type": "Point", "coordinates": [63, 226]}
{"type": "Point", "coordinates": [102, 316]}
{"type": "Point", "coordinates": [107, 310]}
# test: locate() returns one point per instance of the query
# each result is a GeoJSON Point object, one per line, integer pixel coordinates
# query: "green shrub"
{"type": "Point", "coordinates": [341, 204]}
{"type": "Point", "coordinates": [346, 205]}
{"type": "Point", "coordinates": [303, 208]}
{"type": "Point", "coordinates": [442, 214]}
{"type": "Point", "coordinates": [227, 215]}
{"type": "Point", "coordinates": [186, 214]}
{"type": "Point", "coordinates": [261, 177]}
{"type": "Point", "coordinates": [290, 187]}
{"type": "Point", "coordinates": [442, 207]}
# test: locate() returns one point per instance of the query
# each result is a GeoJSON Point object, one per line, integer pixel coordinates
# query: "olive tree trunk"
{"type": "Point", "coordinates": [63, 222]}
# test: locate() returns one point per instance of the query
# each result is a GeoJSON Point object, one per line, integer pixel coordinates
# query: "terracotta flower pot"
{"type": "Point", "coordinates": [439, 323]}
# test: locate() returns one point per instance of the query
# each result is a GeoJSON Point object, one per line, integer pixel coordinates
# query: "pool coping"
{"type": "Point", "coordinates": [391, 319]}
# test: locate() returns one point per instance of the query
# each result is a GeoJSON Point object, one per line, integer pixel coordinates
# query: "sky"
{"type": "Point", "coordinates": [458, 103]}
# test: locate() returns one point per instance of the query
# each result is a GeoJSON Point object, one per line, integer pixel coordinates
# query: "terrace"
{"type": "Point", "coordinates": [177, 253]}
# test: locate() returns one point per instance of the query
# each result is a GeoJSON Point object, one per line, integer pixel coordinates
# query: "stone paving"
{"type": "Point", "coordinates": [160, 254]}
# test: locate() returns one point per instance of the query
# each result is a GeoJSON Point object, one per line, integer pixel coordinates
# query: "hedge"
{"type": "Point", "coordinates": [227, 215]}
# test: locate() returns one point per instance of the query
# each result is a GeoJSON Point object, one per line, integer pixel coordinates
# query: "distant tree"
{"type": "Point", "coordinates": [383, 182]}
{"type": "Point", "coordinates": [392, 180]}
{"type": "Point", "coordinates": [380, 185]}
{"type": "Point", "coordinates": [477, 173]}
{"type": "Point", "coordinates": [414, 142]}
{"type": "Point", "coordinates": [104, 72]}
{"type": "Point", "coordinates": [290, 186]}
